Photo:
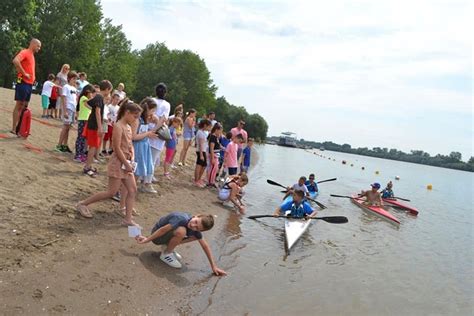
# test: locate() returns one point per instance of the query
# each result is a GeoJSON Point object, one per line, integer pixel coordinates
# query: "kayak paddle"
{"type": "Point", "coordinates": [329, 219]}
{"type": "Point", "coordinates": [345, 196]}
{"type": "Point", "coordinates": [322, 206]}
{"type": "Point", "coordinates": [333, 179]}
{"type": "Point", "coordinates": [275, 183]}
{"type": "Point", "coordinates": [397, 197]}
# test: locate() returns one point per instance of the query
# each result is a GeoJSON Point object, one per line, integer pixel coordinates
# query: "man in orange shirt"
{"type": "Point", "coordinates": [25, 65]}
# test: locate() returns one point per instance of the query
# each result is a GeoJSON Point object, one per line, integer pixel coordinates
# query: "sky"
{"type": "Point", "coordinates": [395, 74]}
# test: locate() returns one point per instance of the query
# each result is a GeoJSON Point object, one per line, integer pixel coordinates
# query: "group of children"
{"type": "Point", "coordinates": [131, 136]}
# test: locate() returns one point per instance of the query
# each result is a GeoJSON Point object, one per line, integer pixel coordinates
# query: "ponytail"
{"type": "Point", "coordinates": [128, 105]}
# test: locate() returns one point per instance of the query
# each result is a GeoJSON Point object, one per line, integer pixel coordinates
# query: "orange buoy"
{"type": "Point", "coordinates": [429, 187]}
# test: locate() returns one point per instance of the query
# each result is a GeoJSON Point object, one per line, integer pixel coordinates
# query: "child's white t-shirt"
{"type": "Point", "coordinates": [113, 112]}
{"type": "Point", "coordinates": [70, 93]}
{"type": "Point", "coordinates": [47, 88]}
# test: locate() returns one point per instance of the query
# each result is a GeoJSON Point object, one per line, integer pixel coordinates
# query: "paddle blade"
{"type": "Point", "coordinates": [322, 181]}
{"type": "Point", "coordinates": [340, 196]}
{"type": "Point", "coordinates": [334, 219]}
{"type": "Point", "coordinates": [275, 183]}
{"type": "Point", "coordinates": [403, 199]}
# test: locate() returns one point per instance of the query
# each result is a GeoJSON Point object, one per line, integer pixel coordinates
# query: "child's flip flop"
{"type": "Point", "coordinates": [83, 210]}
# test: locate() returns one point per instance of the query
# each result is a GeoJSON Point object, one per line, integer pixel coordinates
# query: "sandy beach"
{"type": "Point", "coordinates": [55, 261]}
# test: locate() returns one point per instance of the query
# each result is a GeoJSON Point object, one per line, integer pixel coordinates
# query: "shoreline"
{"type": "Point", "coordinates": [55, 261]}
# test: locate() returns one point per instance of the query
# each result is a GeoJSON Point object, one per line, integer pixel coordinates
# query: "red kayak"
{"type": "Point", "coordinates": [376, 210]}
{"type": "Point", "coordinates": [397, 203]}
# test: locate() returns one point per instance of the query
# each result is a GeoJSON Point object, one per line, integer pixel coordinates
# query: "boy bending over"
{"type": "Point", "coordinates": [178, 228]}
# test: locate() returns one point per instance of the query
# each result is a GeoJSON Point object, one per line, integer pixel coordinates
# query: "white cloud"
{"type": "Point", "coordinates": [375, 59]}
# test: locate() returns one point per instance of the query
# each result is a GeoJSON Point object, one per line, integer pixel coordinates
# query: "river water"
{"type": "Point", "coordinates": [365, 267]}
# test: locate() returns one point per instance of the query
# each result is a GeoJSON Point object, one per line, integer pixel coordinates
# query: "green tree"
{"type": "Point", "coordinates": [455, 156]}
{"type": "Point", "coordinates": [17, 25]}
{"type": "Point", "coordinates": [117, 62]}
{"type": "Point", "coordinates": [70, 34]}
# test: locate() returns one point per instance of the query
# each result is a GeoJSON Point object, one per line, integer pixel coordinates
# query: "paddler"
{"type": "Point", "coordinates": [312, 185]}
{"type": "Point", "coordinates": [373, 197]}
{"type": "Point", "coordinates": [300, 185]}
{"type": "Point", "coordinates": [387, 193]}
{"type": "Point", "coordinates": [296, 207]}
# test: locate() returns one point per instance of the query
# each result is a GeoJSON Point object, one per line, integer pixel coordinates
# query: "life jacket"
{"type": "Point", "coordinates": [297, 210]}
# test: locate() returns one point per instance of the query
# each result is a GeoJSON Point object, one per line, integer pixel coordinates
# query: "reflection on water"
{"type": "Point", "coordinates": [365, 267]}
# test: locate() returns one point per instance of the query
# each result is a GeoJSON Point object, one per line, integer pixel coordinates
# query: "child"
{"type": "Point", "coordinates": [94, 130]}
{"type": "Point", "coordinates": [373, 196]}
{"type": "Point", "coordinates": [300, 185]}
{"type": "Point", "coordinates": [230, 156]}
{"type": "Point", "coordinates": [188, 134]}
{"type": "Point", "coordinates": [178, 228]}
{"type": "Point", "coordinates": [387, 193]}
{"type": "Point", "coordinates": [224, 141]}
{"type": "Point", "coordinates": [296, 207]}
{"type": "Point", "coordinates": [105, 129]}
{"type": "Point", "coordinates": [312, 186]}
{"type": "Point", "coordinates": [120, 169]}
{"type": "Point", "coordinates": [141, 134]}
{"type": "Point", "coordinates": [231, 189]}
{"type": "Point", "coordinates": [214, 150]}
{"type": "Point", "coordinates": [84, 111]}
{"type": "Point", "coordinates": [246, 153]}
{"type": "Point", "coordinates": [112, 110]}
{"type": "Point", "coordinates": [46, 95]}
{"type": "Point", "coordinates": [171, 145]}
{"type": "Point", "coordinates": [201, 151]}
{"type": "Point", "coordinates": [69, 100]}
{"type": "Point", "coordinates": [53, 100]}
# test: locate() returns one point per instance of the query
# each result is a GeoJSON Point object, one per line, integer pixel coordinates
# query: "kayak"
{"type": "Point", "coordinates": [376, 210]}
{"type": "Point", "coordinates": [294, 228]}
{"type": "Point", "coordinates": [397, 203]}
{"type": "Point", "coordinates": [313, 195]}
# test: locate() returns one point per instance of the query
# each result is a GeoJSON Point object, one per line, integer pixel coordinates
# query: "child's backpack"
{"type": "Point", "coordinates": [23, 127]}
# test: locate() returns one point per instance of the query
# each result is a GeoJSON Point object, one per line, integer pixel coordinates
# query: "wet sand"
{"type": "Point", "coordinates": [55, 261]}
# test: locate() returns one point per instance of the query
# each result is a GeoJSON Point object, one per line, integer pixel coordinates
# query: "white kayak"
{"type": "Point", "coordinates": [294, 228]}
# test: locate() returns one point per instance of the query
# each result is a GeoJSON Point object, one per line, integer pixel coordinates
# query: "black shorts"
{"type": "Point", "coordinates": [52, 104]}
{"type": "Point", "coordinates": [163, 240]}
{"type": "Point", "coordinates": [199, 161]}
{"type": "Point", "coordinates": [23, 92]}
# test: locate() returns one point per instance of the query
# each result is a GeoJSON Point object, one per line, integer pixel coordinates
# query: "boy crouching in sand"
{"type": "Point", "coordinates": [178, 228]}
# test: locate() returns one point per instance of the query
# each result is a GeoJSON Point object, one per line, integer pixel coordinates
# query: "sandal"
{"type": "Point", "coordinates": [122, 212]}
{"type": "Point", "coordinates": [132, 223]}
{"type": "Point", "coordinates": [83, 210]}
{"type": "Point", "coordinates": [90, 172]}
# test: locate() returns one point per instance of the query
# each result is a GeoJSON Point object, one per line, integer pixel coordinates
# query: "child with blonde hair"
{"type": "Point", "coordinates": [121, 165]}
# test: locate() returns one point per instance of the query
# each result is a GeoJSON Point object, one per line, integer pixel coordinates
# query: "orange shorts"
{"type": "Point", "coordinates": [93, 139]}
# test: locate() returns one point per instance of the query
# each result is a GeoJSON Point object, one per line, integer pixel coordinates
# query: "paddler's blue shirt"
{"type": "Point", "coordinates": [311, 187]}
{"type": "Point", "coordinates": [297, 210]}
{"type": "Point", "coordinates": [387, 194]}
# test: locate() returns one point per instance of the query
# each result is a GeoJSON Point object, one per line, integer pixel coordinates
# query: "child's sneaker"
{"type": "Point", "coordinates": [116, 197]}
{"type": "Point", "coordinates": [177, 255]}
{"type": "Point", "coordinates": [180, 164]}
{"type": "Point", "coordinates": [167, 175]}
{"type": "Point", "coordinates": [66, 149]}
{"type": "Point", "coordinates": [78, 159]}
{"type": "Point", "coordinates": [59, 148]}
{"type": "Point", "coordinates": [170, 259]}
{"type": "Point", "coordinates": [149, 189]}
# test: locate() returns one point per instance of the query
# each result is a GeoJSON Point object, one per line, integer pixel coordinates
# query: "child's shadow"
{"type": "Point", "coordinates": [151, 261]}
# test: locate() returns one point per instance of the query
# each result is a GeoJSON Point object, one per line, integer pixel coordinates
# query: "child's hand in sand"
{"type": "Point", "coordinates": [219, 272]}
{"type": "Point", "coordinates": [141, 239]}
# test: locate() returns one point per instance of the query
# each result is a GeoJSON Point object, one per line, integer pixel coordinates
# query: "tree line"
{"type": "Point", "coordinates": [451, 161]}
{"type": "Point", "coordinates": [76, 33]}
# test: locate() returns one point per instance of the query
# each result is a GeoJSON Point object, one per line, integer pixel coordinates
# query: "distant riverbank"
{"type": "Point", "coordinates": [451, 161]}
